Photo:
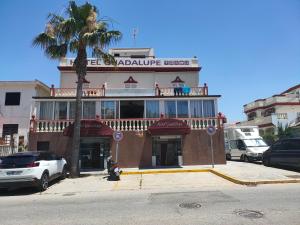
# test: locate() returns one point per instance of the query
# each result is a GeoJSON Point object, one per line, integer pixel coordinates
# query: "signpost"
{"type": "Point", "coordinates": [118, 136]}
{"type": "Point", "coordinates": [211, 130]}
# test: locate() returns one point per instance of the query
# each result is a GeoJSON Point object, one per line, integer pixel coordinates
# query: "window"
{"type": "Point", "coordinates": [251, 116]}
{"type": "Point", "coordinates": [89, 110]}
{"type": "Point", "coordinates": [196, 108]}
{"type": "Point", "coordinates": [285, 145]}
{"type": "Point", "coordinates": [61, 110]}
{"type": "Point", "coordinates": [233, 144]}
{"type": "Point", "coordinates": [182, 109]}
{"type": "Point", "coordinates": [12, 98]}
{"type": "Point", "coordinates": [43, 146]}
{"type": "Point", "coordinates": [240, 145]}
{"type": "Point", "coordinates": [295, 144]}
{"type": "Point", "coordinates": [255, 143]}
{"type": "Point", "coordinates": [152, 109]}
{"type": "Point", "coordinates": [9, 129]}
{"type": "Point", "coordinates": [209, 108]}
{"type": "Point", "coordinates": [108, 109]}
{"type": "Point", "coordinates": [46, 110]}
{"type": "Point", "coordinates": [72, 111]}
{"type": "Point", "coordinates": [170, 109]}
{"type": "Point", "coordinates": [277, 145]}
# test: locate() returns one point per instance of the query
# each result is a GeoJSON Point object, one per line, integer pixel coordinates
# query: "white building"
{"type": "Point", "coordinates": [16, 107]}
{"type": "Point", "coordinates": [156, 102]}
{"type": "Point", "coordinates": [279, 110]}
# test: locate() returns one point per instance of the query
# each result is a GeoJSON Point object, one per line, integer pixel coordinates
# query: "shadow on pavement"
{"type": "Point", "coordinates": [25, 190]}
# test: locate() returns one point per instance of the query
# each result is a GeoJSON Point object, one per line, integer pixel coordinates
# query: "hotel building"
{"type": "Point", "coordinates": [278, 110]}
{"type": "Point", "coordinates": [156, 102]}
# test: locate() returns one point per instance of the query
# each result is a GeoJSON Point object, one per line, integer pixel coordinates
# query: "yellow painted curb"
{"type": "Point", "coordinates": [224, 176]}
{"type": "Point", "coordinates": [165, 171]}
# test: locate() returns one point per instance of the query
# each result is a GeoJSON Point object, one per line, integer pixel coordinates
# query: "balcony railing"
{"type": "Point", "coordinates": [272, 100]}
{"type": "Point", "coordinates": [157, 91]}
{"type": "Point", "coordinates": [139, 124]}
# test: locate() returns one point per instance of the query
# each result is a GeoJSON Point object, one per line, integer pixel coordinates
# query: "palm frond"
{"type": "Point", "coordinates": [56, 51]}
{"type": "Point", "coordinates": [67, 29]}
{"type": "Point", "coordinates": [109, 37]}
{"type": "Point", "coordinates": [74, 46]}
{"type": "Point", "coordinates": [44, 40]}
{"type": "Point", "coordinates": [107, 58]}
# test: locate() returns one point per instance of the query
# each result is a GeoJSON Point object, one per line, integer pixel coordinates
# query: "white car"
{"type": "Point", "coordinates": [31, 169]}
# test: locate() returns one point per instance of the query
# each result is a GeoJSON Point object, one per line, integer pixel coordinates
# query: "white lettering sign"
{"type": "Point", "coordinates": [129, 62]}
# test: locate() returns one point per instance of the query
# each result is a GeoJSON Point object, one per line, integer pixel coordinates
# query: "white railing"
{"type": "Point", "coordinates": [138, 124]}
{"type": "Point", "coordinates": [272, 100]}
{"type": "Point", "coordinates": [281, 115]}
{"type": "Point", "coordinates": [6, 150]}
{"type": "Point", "coordinates": [191, 91]}
{"type": "Point", "coordinates": [71, 92]}
{"type": "Point", "coordinates": [50, 125]}
{"type": "Point", "coordinates": [158, 91]}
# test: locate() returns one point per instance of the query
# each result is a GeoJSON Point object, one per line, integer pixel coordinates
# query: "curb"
{"type": "Point", "coordinates": [217, 173]}
{"type": "Point", "coordinates": [165, 171]}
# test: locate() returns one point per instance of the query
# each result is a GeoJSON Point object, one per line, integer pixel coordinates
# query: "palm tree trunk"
{"type": "Point", "coordinates": [80, 67]}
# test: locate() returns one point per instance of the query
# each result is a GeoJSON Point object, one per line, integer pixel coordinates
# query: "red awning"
{"type": "Point", "coordinates": [90, 128]}
{"type": "Point", "coordinates": [169, 127]}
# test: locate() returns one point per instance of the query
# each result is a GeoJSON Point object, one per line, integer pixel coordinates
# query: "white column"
{"type": "Point", "coordinates": [154, 161]}
{"type": "Point", "coordinates": [180, 160]}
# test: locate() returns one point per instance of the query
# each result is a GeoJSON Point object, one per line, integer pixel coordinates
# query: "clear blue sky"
{"type": "Point", "coordinates": [247, 49]}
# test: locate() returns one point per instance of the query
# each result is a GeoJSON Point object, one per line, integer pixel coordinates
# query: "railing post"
{"type": "Point", "coordinates": [52, 91]}
{"type": "Point", "coordinates": [32, 124]}
{"type": "Point", "coordinates": [221, 120]}
{"type": "Point", "coordinates": [205, 89]}
{"type": "Point", "coordinates": [103, 90]}
{"type": "Point", "coordinates": [157, 90]}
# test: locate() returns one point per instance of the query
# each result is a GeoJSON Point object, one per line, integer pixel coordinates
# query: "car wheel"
{"type": "Point", "coordinates": [246, 159]}
{"type": "Point", "coordinates": [242, 158]}
{"type": "Point", "coordinates": [43, 182]}
{"type": "Point", "coordinates": [64, 173]}
{"type": "Point", "coordinates": [228, 156]}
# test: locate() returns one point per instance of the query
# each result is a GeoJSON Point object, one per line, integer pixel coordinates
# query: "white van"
{"type": "Point", "coordinates": [244, 143]}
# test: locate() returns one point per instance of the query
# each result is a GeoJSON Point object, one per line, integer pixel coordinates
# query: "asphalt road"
{"type": "Point", "coordinates": [212, 204]}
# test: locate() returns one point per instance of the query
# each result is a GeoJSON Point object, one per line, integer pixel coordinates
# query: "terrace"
{"type": "Point", "coordinates": [113, 92]}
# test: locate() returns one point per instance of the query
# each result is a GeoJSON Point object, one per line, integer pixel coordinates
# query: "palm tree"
{"type": "Point", "coordinates": [79, 32]}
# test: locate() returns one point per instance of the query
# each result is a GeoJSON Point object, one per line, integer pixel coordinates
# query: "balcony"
{"type": "Point", "coordinates": [292, 98]}
{"type": "Point", "coordinates": [117, 92]}
{"type": "Point", "coordinates": [139, 124]}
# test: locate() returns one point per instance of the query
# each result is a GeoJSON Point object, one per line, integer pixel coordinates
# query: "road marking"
{"type": "Point", "coordinates": [222, 175]}
{"type": "Point", "coordinates": [141, 181]}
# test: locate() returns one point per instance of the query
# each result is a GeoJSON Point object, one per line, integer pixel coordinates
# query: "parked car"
{"type": "Point", "coordinates": [244, 143]}
{"type": "Point", "coordinates": [285, 152]}
{"type": "Point", "coordinates": [31, 169]}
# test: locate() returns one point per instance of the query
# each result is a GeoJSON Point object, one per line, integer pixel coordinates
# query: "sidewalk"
{"type": "Point", "coordinates": [236, 172]}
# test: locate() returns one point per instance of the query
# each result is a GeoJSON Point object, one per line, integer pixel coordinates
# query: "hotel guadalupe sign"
{"type": "Point", "coordinates": [129, 62]}
{"type": "Point", "coordinates": [169, 126]}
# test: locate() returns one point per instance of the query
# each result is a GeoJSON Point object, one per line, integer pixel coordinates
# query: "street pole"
{"type": "Point", "coordinates": [212, 152]}
{"type": "Point", "coordinates": [117, 151]}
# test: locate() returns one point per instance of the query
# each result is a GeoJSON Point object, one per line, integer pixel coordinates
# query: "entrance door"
{"type": "Point", "coordinates": [92, 152]}
{"type": "Point", "coordinates": [166, 151]}
{"type": "Point", "coordinates": [163, 154]}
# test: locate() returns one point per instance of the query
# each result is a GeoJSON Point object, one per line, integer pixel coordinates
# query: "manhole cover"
{"type": "Point", "coordinates": [251, 214]}
{"type": "Point", "coordinates": [192, 205]}
{"type": "Point", "coordinates": [68, 194]}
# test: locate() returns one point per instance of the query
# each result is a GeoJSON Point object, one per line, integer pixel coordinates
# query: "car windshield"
{"type": "Point", "coordinates": [255, 143]}
{"type": "Point", "coordinates": [17, 161]}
